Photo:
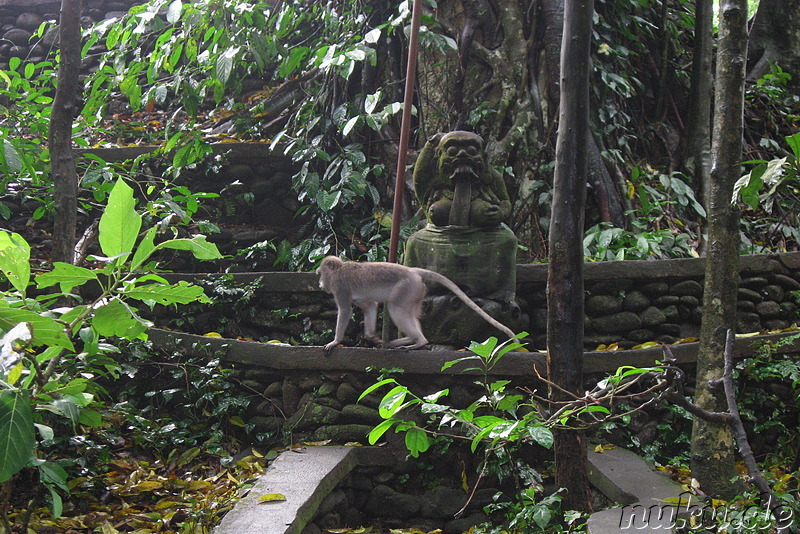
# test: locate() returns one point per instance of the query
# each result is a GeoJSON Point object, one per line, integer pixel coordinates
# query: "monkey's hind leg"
{"type": "Point", "coordinates": [370, 309]}
{"type": "Point", "coordinates": [404, 308]}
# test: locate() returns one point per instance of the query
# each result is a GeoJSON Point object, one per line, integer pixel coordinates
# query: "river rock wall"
{"type": "Point", "coordinates": [628, 303]}
{"type": "Point", "coordinates": [20, 20]}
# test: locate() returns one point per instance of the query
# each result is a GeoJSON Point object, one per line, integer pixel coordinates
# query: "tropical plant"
{"type": "Point", "coordinates": [770, 190]}
{"type": "Point", "coordinates": [476, 428]}
{"type": "Point", "coordinates": [55, 343]}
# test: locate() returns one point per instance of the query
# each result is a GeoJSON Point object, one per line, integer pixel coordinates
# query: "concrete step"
{"type": "Point", "coordinates": [304, 478]}
{"type": "Point", "coordinates": [627, 479]}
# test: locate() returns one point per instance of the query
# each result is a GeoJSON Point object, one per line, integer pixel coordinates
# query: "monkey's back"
{"type": "Point", "coordinates": [376, 281]}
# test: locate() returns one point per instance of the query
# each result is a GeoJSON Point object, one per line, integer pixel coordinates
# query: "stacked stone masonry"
{"type": "Point", "coordinates": [628, 303]}
{"type": "Point", "coordinates": [20, 20]}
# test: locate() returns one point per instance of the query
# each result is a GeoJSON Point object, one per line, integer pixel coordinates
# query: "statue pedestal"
{"type": "Point", "coordinates": [483, 263]}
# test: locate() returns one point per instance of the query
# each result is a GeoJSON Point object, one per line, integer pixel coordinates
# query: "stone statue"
{"type": "Point", "coordinates": [466, 204]}
{"type": "Point", "coordinates": [455, 185]}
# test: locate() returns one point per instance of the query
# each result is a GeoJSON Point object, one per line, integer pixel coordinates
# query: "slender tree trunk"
{"type": "Point", "coordinates": [65, 108]}
{"type": "Point", "coordinates": [713, 444]}
{"type": "Point", "coordinates": [565, 274]}
{"type": "Point", "coordinates": [697, 138]}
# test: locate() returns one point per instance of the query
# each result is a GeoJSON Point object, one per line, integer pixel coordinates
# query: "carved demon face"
{"type": "Point", "coordinates": [460, 154]}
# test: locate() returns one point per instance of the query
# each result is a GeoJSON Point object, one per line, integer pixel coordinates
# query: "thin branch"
{"type": "Point", "coordinates": [735, 421]}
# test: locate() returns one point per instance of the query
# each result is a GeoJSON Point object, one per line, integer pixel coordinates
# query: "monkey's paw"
{"type": "Point", "coordinates": [329, 348]}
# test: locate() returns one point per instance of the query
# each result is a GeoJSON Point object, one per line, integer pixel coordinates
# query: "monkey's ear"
{"type": "Point", "coordinates": [331, 263]}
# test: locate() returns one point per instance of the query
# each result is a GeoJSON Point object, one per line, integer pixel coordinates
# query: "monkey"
{"type": "Point", "coordinates": [401, 288]}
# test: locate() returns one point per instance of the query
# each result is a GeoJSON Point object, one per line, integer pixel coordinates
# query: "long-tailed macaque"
{"type": "Point", "coordinates": [401, 288]}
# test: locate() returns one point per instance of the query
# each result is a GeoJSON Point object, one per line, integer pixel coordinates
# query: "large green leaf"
{"type": "Point", "coordinates": [119, 224]}
{"type": "Point", "coordinates": [117, 319]}
{"type": "Point", "coordinates": [794, 144]}
{"type": "Point", "coordinates": [17, 436]}
{"type": "Point", "coordinates": [46, 330]}
{"type": "Point", "coordinates": [15, 254]}
{"type": "Point", "coordinates": [417, 441]}
{"type": "Point", "coordinates": [145, 249]}
{"type": "Point", "coordinates": [66, 275]}
{"type": "Point", "coordinates": [198, 246]}
{"type": "Point", "coordinates": [180, 293]}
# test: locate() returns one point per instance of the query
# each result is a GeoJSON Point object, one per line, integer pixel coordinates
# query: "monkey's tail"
{"type": "Point", "coordinates": [449, 284]}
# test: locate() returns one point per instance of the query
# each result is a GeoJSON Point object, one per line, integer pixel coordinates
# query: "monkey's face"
{"type": "Point", "coordinates": [326, 270]}
{"type": "Point", "coordinates": [460, 154]}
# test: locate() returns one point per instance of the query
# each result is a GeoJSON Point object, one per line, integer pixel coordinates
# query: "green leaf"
{"type": "Point", "coordinates": [197, 245]}
{"type": "Point", "coordinates": [376, 433]}
{"type": "Point", "coordinates": [372, 36]}
{"type": "Point", "coordinates": [65, 407]}
{"type": "Point", "coordinates": [46, 330]}
{"type": "Point", "coordinates": [392, 401]}
{"type": "Point", "coordinates": [145, 249]}
{"type": "Point", "coordinates": [15, 254]}
{"type": "Point", "coordinates": [58, 504]}
{"type": "Point", "coordinates": [542, 516]}
{"type": "Point", "coordinates": [120, 224]}
{"type": "Point", "coordinates": [484, 350]}
{"type": "Point", "coordinates": [375, 386]}
{"type": "Point", "coordinates": [290, 64]}
{"type": "Point", "coordinates": [45, 431]}
{"type": "Point", "coordinates": [66, 275]}
{"type": "Point", "coordinates": [433, 397]}
{"type": "Point", "coordinates": [541, 435]}
{"type": "Point", "coordinates": [224, 65]}
{"type": "Point", "coordinates": [794, 143]}
{"type": "Point", "coordinates": [181, 293]}
{"type": "Point", "coordinates": [327, 200]}
{"type": "Point", "coordinates": [349, 125]}
{"type": "Point", "coordinates": [417, 441]}
{"type": "Point", "coordinates": [13, 159]}
{"type": "Point", "coordinates": [174, 11]}
{"type": "Point", "coordinates": [117, 319]}
{"type": "Point", "coordinates": [17, 436]}
{"type": "Point", "coordinates": [52, 473]}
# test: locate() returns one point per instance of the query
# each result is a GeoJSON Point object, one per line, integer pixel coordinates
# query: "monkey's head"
{"type": "Point", "coordinates": [458, 154]}
{"type": "Point", "coordinates": [329, 265]}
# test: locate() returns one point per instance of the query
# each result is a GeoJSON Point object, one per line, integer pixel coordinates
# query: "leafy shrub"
{"type": "Point", "coordinates": [54, 349]}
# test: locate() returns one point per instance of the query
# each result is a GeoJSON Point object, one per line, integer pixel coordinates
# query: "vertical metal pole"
{"type": "Point", "coordinates": [405, 127]}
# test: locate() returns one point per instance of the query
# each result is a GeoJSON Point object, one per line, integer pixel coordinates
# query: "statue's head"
{"type": "Point", "coordinates": [460, 153]}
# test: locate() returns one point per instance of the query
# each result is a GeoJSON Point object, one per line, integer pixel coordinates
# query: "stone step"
{"type": "Point", "coordinates": [304, 478]}
{"type": "Point", "coordinates": [627, 479]}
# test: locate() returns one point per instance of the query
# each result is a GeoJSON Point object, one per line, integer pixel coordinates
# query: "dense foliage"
{"type": "Point", "coordinates": [317, 82]}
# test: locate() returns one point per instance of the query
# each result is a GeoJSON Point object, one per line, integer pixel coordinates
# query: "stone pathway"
{"type": "Point", "coordinates": [304, 478]}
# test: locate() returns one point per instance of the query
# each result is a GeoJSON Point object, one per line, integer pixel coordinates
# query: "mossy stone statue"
{"type": "Point", "coordinates": [466, 203]}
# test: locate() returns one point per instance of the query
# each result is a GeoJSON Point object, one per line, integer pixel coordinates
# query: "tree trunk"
{"type": "Point", "coordinates": [565, 274]}
{"type": "Point", "coordinates": [610, 205]}
{"type": "Point", "coordinates": [64, 110]}
{"type": "Point", "coordinates": [775, 37]}
{"type": "Point", "coordinates": [697, 136]}
{"type": "Point", "coordinates": [712, 450]}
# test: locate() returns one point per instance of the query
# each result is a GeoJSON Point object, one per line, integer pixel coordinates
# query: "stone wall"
{"type": "Point", "coordinates": [627, 303]}
{"type": "Point", "coordinates": [632, 302]}
{"type": "Point", "coordinates": [19, 19]}
{"type": "Point", "coordinates": [299, 395]}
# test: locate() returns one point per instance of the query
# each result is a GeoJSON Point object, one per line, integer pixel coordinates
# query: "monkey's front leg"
{"type": "Point", "coordinates": [344, 310]}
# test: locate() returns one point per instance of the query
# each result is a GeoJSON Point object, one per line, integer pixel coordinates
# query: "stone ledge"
{"type": "Point", "coordinates": [311, 358]}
